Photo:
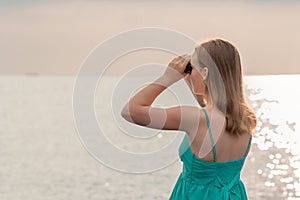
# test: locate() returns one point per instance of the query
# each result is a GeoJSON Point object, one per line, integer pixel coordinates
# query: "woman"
{"type": "Point", "coordinates": [218, 134]}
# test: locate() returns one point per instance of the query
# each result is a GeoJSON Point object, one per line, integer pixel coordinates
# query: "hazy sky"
{"type": "Point", "coordinates": [56, 37]}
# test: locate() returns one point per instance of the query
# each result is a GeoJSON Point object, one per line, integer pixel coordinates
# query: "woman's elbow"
{"type": "Point", "coordinates": [135, 116]}
{"type": "Point", "coordinates": [128, 115]}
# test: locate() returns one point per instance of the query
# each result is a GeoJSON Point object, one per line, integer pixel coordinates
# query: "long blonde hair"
{"type": "Point", "coordinates": [240, 118]}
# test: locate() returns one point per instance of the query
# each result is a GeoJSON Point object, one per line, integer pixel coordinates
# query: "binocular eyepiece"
{"type": "Point", "coordinates": [188, 68]}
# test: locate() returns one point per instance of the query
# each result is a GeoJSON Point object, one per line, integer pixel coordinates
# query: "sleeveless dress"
{"type": "Point", "coordinates": [201, 180]}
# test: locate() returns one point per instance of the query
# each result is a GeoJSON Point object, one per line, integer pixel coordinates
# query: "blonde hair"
{"type": "Point", "coordinates": [240, 118]}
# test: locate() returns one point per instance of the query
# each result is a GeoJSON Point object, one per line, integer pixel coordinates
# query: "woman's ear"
{"type": "Point", "coordinates": [204, 73]}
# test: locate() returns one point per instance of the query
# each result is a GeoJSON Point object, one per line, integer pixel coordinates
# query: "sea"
{"type": "Point", "coordinates": [42, 155]}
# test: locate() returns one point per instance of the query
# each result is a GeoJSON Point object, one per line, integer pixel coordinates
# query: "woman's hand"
{"type": "Point", "coordinates": [175, 69]}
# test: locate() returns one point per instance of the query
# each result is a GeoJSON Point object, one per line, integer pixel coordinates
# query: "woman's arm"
{"type": "Point", "coordinates": [139, 110]}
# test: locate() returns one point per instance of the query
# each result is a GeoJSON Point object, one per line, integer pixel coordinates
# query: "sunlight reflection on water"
{"type": "Point", "coordinates": [276, 132]}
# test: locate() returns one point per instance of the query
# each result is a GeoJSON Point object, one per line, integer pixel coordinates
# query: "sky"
{"type": "Point", "coordinates": [55, 37]}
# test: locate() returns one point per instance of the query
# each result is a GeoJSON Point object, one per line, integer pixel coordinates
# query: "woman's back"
{"type": "Point", "coordinates": [216, 179]}
{"type": "Point", "coordinates": [230, 147]}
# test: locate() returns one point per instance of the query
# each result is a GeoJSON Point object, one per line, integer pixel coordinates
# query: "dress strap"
{"type": "Point", "coordinates": [248, 148]}
{"type": "Point", "coordinates": [210, 134]}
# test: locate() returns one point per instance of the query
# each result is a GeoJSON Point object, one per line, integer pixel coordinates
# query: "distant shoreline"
{"type": "Point", "coordinates": [123, 73]}
{"type": "Point", "coordinates": [35, 74]}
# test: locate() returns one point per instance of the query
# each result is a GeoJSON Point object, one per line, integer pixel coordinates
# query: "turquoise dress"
{"type": "Point", "coordinates": [201, 180]}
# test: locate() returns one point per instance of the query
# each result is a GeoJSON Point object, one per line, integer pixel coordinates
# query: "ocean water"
{"type": "Point", "coordinates": [42, 157]}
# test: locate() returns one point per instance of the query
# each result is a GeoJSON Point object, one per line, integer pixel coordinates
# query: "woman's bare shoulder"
{"type": "Point", "coordinates": [192, 117]}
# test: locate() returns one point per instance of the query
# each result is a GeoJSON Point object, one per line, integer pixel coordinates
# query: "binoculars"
{"type": "Point", "coordinates": [188, 68]}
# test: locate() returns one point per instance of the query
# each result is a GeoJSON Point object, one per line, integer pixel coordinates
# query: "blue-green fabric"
{"type": "Point", "coordinates": [201, 180]}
